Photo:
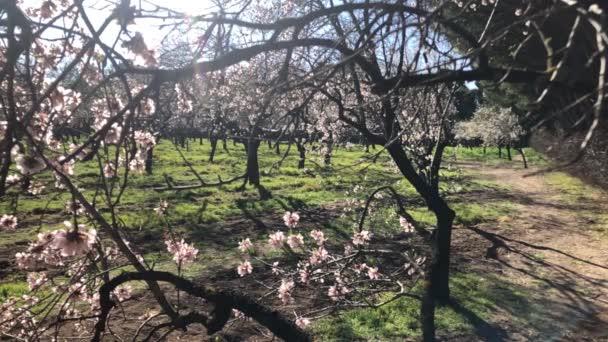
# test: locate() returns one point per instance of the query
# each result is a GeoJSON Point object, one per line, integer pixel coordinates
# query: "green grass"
{"type": "Point", "coordinates": [477, 298]}
{"type": "Point", "coordinates": [490, 156]}
{"type": "Point", "coordinates": [472, 213]}
{"type": "Point", "coordinates": [12, 289]}
{"type": "Point", "coordinates": [585, 197]}
{"type": "Point", "coordinates": [200, 215]}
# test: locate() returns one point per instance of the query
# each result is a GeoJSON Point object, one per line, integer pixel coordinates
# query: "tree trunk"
{"type": "Point", "coordinates": [277, 148]}
{"type": "Point", "coordinates": [442, 237]}
{"type": "Point", "coordinates": [225, 145]}
{"type": "Point", "coordinates": [25, 184]}
{"type": "Point", "coordinates": [440, 272]}
{"type": "Point", "coordinates": [302, 150]}
{"type": "Point", "coordinates": [149, 160]}
{"type": "Point", "coordinates": [427, 313]}
{"type": "Point", "coordinates": [213, 148]}
{"type": "Point", "coordinates": [523, 157]}
{"type": "Point", "coordinates": [200, 140]}
{"type": "Point", "coordinates": [253, 167]}
{"type": "Point", "coordinates": [509, 152]}
{"type": "Point", "coordinates": [499, 152]}
{"type": "Point", "coordinates": [327, 157]}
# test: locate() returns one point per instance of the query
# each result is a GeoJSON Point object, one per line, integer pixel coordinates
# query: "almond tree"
{"type": "Point", "coordinates": [495, 127]}
{"type": "Point", "coordinates": [376, 62]}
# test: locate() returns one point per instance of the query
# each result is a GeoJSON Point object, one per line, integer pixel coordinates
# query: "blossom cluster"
{"type": "Point", "coordinates": [346, 274]}
{"type": "Point", "coordinates": [183, 253]}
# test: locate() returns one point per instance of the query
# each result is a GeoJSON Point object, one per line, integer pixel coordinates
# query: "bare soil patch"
{"type": "Point", "coordinates": [548, 248]}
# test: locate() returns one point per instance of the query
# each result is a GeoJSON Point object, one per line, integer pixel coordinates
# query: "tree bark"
{"type": "Point", "coordinates": [253, 167]}
{"type": "Point", "coordinates": [149, 160]}
{"type": "Point", "coordinates": [213, 148]}
{"type": "Point", "coordinates": [427, 313]}
{"type": "Point", "coordinates": [327, 157]}
{"type": "Point", "coordinates": [523, 157]}
{"type": "Point", "coordinates": [509, 152]}
{"type": "Point", "coordinates": [302, 151]}
{"type": "Point", "coordinates": [442, 238]}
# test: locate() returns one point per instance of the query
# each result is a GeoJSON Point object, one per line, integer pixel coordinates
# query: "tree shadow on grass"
{"type": "Point", "coordinates": [483, 329]}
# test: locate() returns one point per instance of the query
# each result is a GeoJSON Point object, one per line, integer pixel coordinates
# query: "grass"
{"type": "Point", "coordinates": [201, 216]}
{"type": "Point", "coordinates": [14, 289]}
{"type": "Point", "coordinates": [575, 192]}
{"type": "Point", "coordinates": [476, 298]}
{"type": "Point", "coordinates": [489, 156]}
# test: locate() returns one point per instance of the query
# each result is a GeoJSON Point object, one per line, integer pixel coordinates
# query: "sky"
{"type": "Point", "coordinates": [98, 11]}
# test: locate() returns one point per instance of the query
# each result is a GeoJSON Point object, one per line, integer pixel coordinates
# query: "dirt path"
{"type": "Point", "coordinates": [546, 248]}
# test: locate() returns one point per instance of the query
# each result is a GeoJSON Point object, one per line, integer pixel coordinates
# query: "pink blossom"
{"type": "Point", "coordinates": [358, 268]}
{"type": "Point", "coordinates": [275, 268]}
{"type": "Point", "coordinates": [108, 170]}
{"type": "Point", "coordinates": [291, 219]}
{"type": "Point", "coordinates": [66, 168]}
{"type": "Point", "coordinates": [277, 239]}
{"type": "Point", "coordinates": [8, 222]}
{"type": "Point", "coordinates": [94, 302]}
{"type": "Point", "coordinates": [295, 241]}
{"type": "Point", "coordinates": [318, 236]}
{"type": "Point", "coordinates": [35, 280]}
{"type": "Point", "coordinates": [372, 273]}
{"type": "Point", "coordinates": [74, 207]}
{"type": "Point", "coordinates": [238, 314]}
{"type": "Point", "coordinates": [138, 163]}
{"type": "Point", "coordinates": [319, 256]}
{"type": "Point", "coordinates": [183, 253]}
{"type": "Point", "coordinates": [407, 227]}
{"type": "Point", "coordinates": [36, 188]}
{"type": "Point", "coordinates": [45, 238]}
{"type": "Point", "coordinates": [362, 238]}
{"type": "Point", "coordinates": [337, 292]}
{"type": "Point", "coordinates": [302, 322]}
{"type": "Point", "coordinates": [285, 290]}
{"type": "Point", "coordinates": [148, 107]}
{"type": "Point", "coordinates": [25, 260]}
{"type": "Point", "coordinates": [122, 292]}
{"type": "Point", "coordinates": [349, 249]}
{"type": "Point", "coordinates": [74, 241]}
{"type": "Point", "coordinates": [144, 140]}
{"type": "Point", "coordinates": [244, 268]}
{"type": "Point", "coordinates": [83, 152]}
{"type": "Point", "coordinates": [113, 134]}
{"type": "Point", "coordinates": [13, 179]}
{"type": "Point", "coordinates": [245, 246]}
{"type": "Point", "coordinates": [77, 292]}
{"type": "Point", "coordinates": [304, 275]}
